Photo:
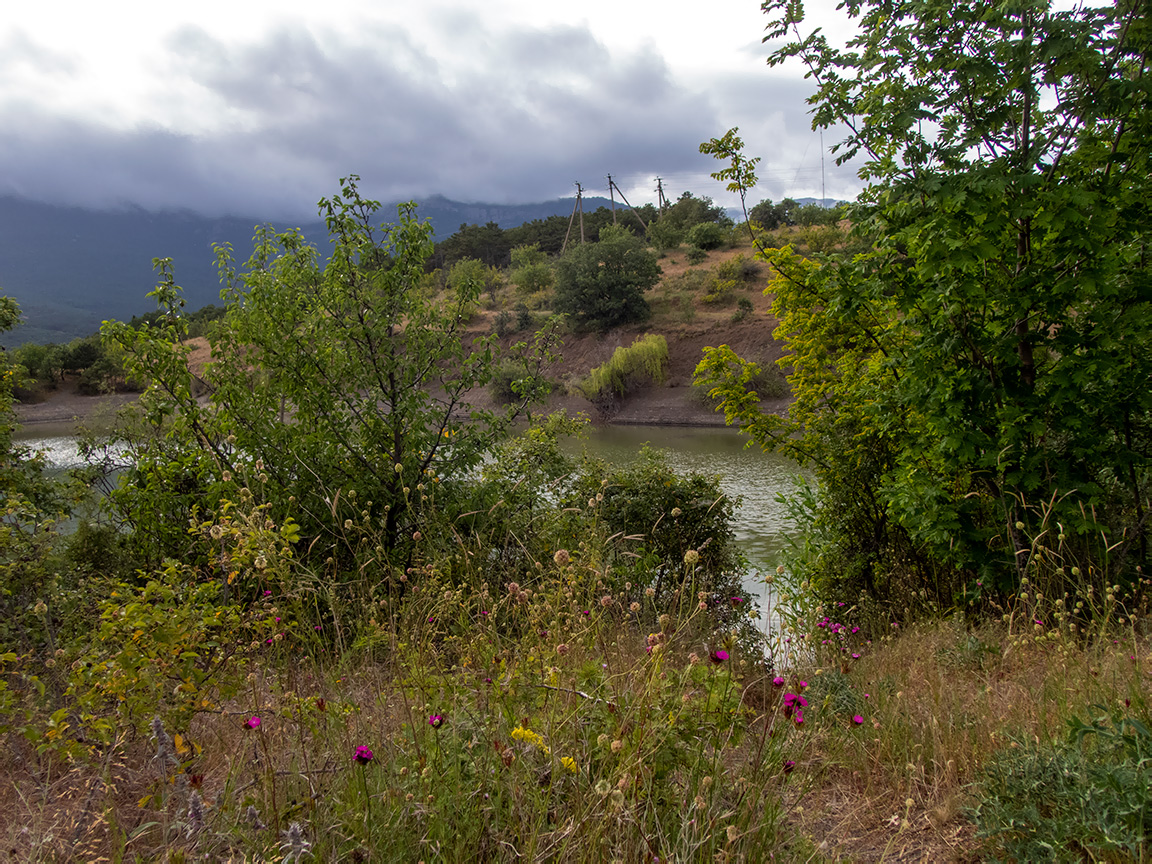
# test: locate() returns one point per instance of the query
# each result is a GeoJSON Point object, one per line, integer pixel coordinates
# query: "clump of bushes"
{"type": "Point", "coordinates": [645, 360]}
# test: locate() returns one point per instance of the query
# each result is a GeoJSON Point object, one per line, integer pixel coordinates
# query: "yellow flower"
{"type": "Point", "coordinates": [531, 738]}
{"type": "Point", "coordinates": [569, 763]}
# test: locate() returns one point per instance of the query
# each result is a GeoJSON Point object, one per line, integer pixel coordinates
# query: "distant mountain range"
{"type": "Point", "coordinates": [71, 268]}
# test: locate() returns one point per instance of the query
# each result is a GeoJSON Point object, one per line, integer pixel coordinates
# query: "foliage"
{"type": "Point", "coordinates": [984, 355]}
{"type": "Point", "coordinates": [646, 358]}
{"type": "Point", "coordinates": [530, 272]}
{"type": "Point", "coordinates": [689, 211]}
{"type": "Point", "coordinates": [707, 235]}
{"type": "Point", "coordinates": [343, 383]}
{"type": "Point", "coordinates": [30, 504]}
{"type": "Point", "coordinates": [671, 516]}
{"type": "Point", "coordinates": [467, 274]}
{"type": "Point", "coordinates": [486, 243]}
{"type": "Point", "coordinates": [664, 235]}
{"type": "Point", "coordinates": [1084, 798]}
{"type": "Point", "coordinates": [601, 285]}
{"type": "Point", "coordinates": [771, 216]}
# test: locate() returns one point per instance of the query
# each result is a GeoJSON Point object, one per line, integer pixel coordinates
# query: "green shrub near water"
{"type": "Point", "coordinates": [645, 359]}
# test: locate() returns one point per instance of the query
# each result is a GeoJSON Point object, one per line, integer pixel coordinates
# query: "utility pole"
{"type": "Point", "coordinates": [578, 206]}
{"type": "Point", "coordinates": [612, 198]}
{"type": "Point", "coordinates": [823, 194]}
{"type": "Point", "coordinates": [662, 203]}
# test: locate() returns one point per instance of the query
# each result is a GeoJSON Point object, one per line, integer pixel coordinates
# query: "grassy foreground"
{"type": "Point", "coordinates": [566, 722]}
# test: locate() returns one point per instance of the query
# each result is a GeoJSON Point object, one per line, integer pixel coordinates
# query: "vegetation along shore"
{"type": "Point", "coordinates": [344, 596]}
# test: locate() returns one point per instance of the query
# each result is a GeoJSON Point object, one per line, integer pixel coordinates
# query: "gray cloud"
{"type": "Point", "coordinates": [19, 53]}
{"type": "Point", "coordinates": [517, 116]}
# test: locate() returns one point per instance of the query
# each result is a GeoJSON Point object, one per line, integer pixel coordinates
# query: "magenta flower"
{"type": "Point", "coordinates": [798, 718]}
{"type": "Point", "coordinates": [252, 722]}
{"type": "Point", "coordinates": [857, 719]}
{"type": "Point", "coordinates": [789, 765]}
{"type": "Point", "coordinates": [778, 681]}
{"type": "Point", "coordinates": [436, 721]}
{"type": "Point", "coordinates": [718, 656]}
{"type": "Point", "coordinates": [363, 755]}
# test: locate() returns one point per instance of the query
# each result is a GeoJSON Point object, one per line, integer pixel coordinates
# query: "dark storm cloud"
{"type": "Point", "coordinates": [525, 114]}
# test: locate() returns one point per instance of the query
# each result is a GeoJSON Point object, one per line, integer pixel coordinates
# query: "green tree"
{"type": "Point", "coordinates": [531, 272]}
{"type": "Point", "coordinates": [601, 285]}
{"type": "Point", "coordinates": [986, 365]}
{"type": "Point", "coordinates": [707, 235]}
{"type": "Point", "coordinates": [339, 389]}
{"type": "Point", "coordinates": [488, 243]}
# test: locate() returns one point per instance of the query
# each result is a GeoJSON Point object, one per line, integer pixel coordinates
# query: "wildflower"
{"type": "Point", "coordinates": [693, 658]}
{"type": "Point", "coordinates": [252, 722]}
{"type": "Point", "coordinates": [416, 535]}
{"type": "Point", "coordinates": [634, 607]}
{"type": "Point", "coordinates": [260, 563]}
{"type": "Point", "coordinates": [531, 738]}
{"type": "Point", "coordinates": [606, 600]}
{"type": "Point", "coordinates": [216, 532]}
{"type": "Point", "coordinates": [603, 788]}
{"type": "Point", "coordinates": [513, 588]}
{"type": "Point", "coordinates": [569, 764]}
{"type": "Point", "coordinates": [798, 718]}
{"type": "Point", "coordinates": [295, 845]}
{"type": "Point", "coordinates": [778, 681]}
{"type": "Point", "coordinates": [649, 592]}
{"type": "Point", "coordinates": [789, 766]}
{"type": "Point", "coordinates": [718, 656]}
{"type": "Point", "coordinates": [562, 648]}
{"type": "Point", "coordinates": [857, 719]}
{"type": "Point", "coordinates": [676, 511]}
{"type": "Point", "coordinates": [561, 557]}
{"type": "Point", "coordinates": [195, 814]}
{"type": "Point", "coordinates": [363, 755]}
{"type": "Point", "coordinates": [733, 832]}
{"type": "Point", "coordinates": [253, 817]}
{"type": "Point", "coordinates": [691, 557]}
{"type": "Point", "coordinates": [165, 749]}
{"type": "Point", "coordinates": [436, 721]}
{"type": "Point", "coordinates": [617, 746]}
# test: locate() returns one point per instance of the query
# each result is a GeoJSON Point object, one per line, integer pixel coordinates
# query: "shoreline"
{"type": "Point", "coordinates": [68, 411]}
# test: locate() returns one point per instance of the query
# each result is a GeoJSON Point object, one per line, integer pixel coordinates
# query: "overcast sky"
{"type": "Point", "coordinates": [256, 108]}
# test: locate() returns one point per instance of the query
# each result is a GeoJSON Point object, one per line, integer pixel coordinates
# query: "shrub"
{"type": "Point", "coordinates": [707, 235]}
{"type": "Point", "coordinates": [664, 235]}
{"type": "Point", "coordinates": [696, 255]}
{"type": "Point", "coordinates": [645, 359]}
{"type": "Point", "coordinates": [1086, 798]}
{"type": "Point", "coordinates": [743, 309]}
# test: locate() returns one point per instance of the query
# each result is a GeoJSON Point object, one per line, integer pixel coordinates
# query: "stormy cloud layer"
{"type": "Point", "coordinates": [267, 124]}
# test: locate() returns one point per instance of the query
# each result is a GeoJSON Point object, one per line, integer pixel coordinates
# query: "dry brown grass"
{"type": "Point", "coordinates": [942, 700]}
